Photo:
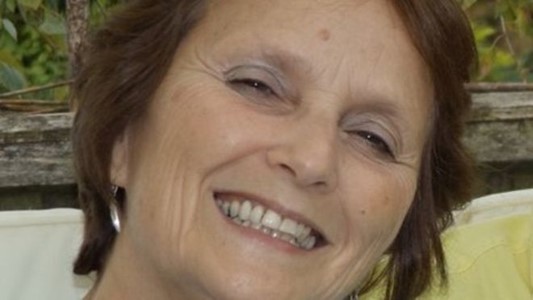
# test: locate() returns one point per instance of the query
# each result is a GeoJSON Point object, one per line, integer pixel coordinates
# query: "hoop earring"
{"type": "Point", "coordinates": [354, 296]}
{"type": "Point", "coordinates": [113, 208]}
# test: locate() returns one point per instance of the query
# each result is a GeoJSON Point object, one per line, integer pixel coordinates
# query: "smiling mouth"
{"type": "Point", "coordinates": [248, 213]}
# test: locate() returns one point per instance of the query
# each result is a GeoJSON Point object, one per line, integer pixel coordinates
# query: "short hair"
{"type": "Point", "coordinates": [129, 56]}
{"type": "Point", "coordinates": [123, 66]}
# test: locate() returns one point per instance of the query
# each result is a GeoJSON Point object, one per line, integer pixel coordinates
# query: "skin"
{"type": "Point", "coordinates": [343, 80]}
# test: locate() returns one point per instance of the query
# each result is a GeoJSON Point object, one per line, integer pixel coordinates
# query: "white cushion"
{"type": "Point", "coordinates": [495, 206]}
{"type": "Point", "coordinates": [37, 249]}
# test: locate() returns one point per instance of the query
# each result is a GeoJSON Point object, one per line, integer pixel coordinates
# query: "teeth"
{"type": "Point", "coordinates": [271, 220]}
{"type": "Point", "coordinates": [234, 208]}
{"type": "Point", "coordinates": [309, 242]}
{"type": "Point", "coordinates": [246, 210]}
{"type": "Point", "coordinates": [288, 226]}
{"type": "Point", "coordinates": [304, 234]}
{"type": "Point", "coordinates": [257, 214]}
{"type": "Point", "coordinates": [225, 208]}
{"type": "Point", "coordinates": [299, 228]}
{"type": "Point", "coordinates": [247, 214]}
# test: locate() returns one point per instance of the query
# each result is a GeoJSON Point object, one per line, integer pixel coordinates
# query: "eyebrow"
{"type": "Point", "coordinates": [383, 105]}
{"type": "Point", "coordinates": [281, 59]}
{"type": "Point", "coordinates": [379, 104]}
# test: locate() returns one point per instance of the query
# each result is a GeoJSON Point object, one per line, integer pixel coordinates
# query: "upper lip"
{"type": "Point", "coordinates": [277, 207]}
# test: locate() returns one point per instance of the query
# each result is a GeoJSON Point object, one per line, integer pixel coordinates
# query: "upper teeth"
{"type": "Point", "coordinates": [249, 214]}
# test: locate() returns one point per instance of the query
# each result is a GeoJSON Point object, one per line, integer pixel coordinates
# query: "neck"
{"type": "Point", "coordinates": [128, 275]}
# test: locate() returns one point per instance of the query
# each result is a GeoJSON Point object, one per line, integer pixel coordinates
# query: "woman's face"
{"type": "Point", "coordinates": [303, 120]}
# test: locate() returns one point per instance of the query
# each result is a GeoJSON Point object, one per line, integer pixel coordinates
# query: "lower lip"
{"type": "Point", "coordinates": [262, 238]}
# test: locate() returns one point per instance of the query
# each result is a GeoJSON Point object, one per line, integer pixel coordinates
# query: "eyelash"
{"type": "Point", "coordinates": [256, 85]}
{"type": "Point", "coordinates": [376, 142]}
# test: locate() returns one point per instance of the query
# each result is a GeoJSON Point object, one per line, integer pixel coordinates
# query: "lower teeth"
{"type": "Point", "coordinates": [276, 234]}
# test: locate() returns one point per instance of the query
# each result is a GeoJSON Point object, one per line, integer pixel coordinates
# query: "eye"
{"type": "Point", "coordinates": [250, 85]}
{"type": "Point", "coordinates": [258, 84]}
{"type": "Point", "coordinates": [376, 142]}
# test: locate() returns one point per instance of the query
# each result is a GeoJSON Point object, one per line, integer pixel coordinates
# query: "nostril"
{"type": "Point", "coordinates": [288, 169]}
{"type": "Point", "coordinates": [280, 158]}
{"type": "Point", "coordinates": [321, 184]}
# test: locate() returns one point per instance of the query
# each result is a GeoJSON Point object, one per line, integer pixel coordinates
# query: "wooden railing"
{"type": "Point", "coordinates": [36, 168]}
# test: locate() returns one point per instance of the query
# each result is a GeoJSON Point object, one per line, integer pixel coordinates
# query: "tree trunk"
{"type": "Point", "coordinates": [77, 23]}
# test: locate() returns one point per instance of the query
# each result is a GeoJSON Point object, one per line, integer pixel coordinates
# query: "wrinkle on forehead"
{"type": "Point", "coordinates": [269, 8]}
{"type": "Point", "coordinates": [361, 6]}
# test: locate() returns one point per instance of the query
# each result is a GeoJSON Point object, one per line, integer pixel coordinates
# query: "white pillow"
{"type": "Point", "coordinates": [37, 249]}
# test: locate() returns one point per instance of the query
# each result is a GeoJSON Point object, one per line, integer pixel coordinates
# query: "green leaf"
{"type": "Point", "coordinates": [467, 3]}
{"type": "Point", "coordinates": [11, 5]}
{"type": "Point", "coordinates": [58, 43]}
{"type": "Point", "coordinates": [8, 58]}
{"type": "Point", "coordinates": [483, 32]}
{"type": "Point", "coordinates": [53, 24]}
{"type": "Point", "coordinates": [10, 28]}
{"type": "Point", "coordinates": [10, 78]}
{"type": "Point", "coordinates": [31, 4]}
{"type": "Point", "coordinates": [503, 58]}
{"type": "Point", "coordinates": [55, 4]}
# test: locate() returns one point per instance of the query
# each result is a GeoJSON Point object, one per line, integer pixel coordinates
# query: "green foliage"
{"type": "Point", "coordinates": [11, 78]}
{"type": "Point", "coordinates": [33, 46]}
{"type": "Point", "coordinates": [504, 34]}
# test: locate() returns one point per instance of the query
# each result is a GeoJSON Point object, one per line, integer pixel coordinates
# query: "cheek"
{"type": "Point", "coordinates": [185, 137]}
{"type": "Point", "coordinates": [203, 124]}
{"type": "Point", "coordinates": [381, 199]}
{"type": "Point", "coordinates": [212, 126]}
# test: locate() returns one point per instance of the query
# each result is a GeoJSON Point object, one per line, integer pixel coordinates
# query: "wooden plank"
{"type": "Point", "coordinates": [495, 107]}
{"type": "Point", "coordinates": [501, 127]}
{"type": "Point", "coordinates": [35, 149]}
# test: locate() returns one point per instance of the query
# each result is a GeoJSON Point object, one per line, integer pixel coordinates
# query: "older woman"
{"type": "Point", "coordinates": [271, 149]}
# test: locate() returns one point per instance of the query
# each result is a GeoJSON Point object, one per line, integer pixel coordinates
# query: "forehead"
{"type": "Point", "coordinates": [353, 47]}
{"type": "Point", "coordinates": [319, 30]}
{"type": "Point", "coordinates": [345, 16]}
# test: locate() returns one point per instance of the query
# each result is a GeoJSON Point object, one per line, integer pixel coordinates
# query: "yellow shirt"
{"type": "Point", "coordinates": [489, 254]}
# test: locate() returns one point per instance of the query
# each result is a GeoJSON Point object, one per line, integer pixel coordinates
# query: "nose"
{"type": "Point", "coordinates": [308, 154]}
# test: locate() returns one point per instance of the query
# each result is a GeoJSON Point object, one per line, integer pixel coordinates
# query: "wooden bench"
{"type": "Point", "coordinates": [36, 168]}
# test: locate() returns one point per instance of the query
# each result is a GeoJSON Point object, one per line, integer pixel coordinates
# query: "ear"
{"type": "Point", "coordinates": [118, 170]}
